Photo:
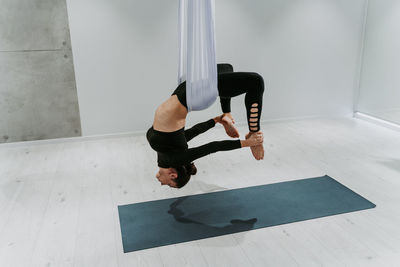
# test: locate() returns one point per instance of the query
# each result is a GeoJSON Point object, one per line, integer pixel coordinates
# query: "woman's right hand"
{"type": "Point", "coordinates": [255, 139]}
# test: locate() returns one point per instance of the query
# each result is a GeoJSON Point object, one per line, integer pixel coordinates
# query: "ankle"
{"type": "Point", "coordinates": [228, 115]}
{"type": "Point", "coordinates": [250, 133]}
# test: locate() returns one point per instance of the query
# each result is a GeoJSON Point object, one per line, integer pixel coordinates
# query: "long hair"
{"type": "Point", "coordinates": [184, 174]}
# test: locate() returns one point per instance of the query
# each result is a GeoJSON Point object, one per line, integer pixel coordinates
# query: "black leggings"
{"type": "Point", "coordinates": [231, 84]}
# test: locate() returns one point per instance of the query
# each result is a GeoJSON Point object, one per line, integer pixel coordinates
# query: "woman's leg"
{"type": "Point", "coordinates": [226, 119]}
{"type": "Point", "coordinates": [251, 84]}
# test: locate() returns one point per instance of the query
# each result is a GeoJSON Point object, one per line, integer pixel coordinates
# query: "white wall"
{"type": "Point", "coordinates": [380, 79]}
{"type": "Point", "coordinates": [126, 57]}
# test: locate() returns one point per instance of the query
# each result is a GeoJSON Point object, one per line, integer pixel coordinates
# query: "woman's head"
{"type": "Point", "coordinates": [184, 173]}
{"type": "Point", "coordinates": [176, 177]}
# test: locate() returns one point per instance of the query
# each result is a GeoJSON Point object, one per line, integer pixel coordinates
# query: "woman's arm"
{"type": "Point", "coordinates": [201, 128]}
{"type": "Point", "coordinates": [212, 147]}
{"type": "Point", "coordinates": [197, 152]}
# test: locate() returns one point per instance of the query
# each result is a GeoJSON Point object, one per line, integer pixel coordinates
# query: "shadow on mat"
{"type": "Point", "coordinates": [229, 225]}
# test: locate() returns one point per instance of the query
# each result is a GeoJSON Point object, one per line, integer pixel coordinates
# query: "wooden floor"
{"type": "Point", "coordinates": [58, 202]}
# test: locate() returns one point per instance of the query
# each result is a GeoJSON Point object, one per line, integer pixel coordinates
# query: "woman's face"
{"type": "Point", "coordinates": [167, 176]}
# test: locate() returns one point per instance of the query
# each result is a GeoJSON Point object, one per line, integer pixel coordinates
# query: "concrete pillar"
{"type": "Point", "coordinates": [38, 96]}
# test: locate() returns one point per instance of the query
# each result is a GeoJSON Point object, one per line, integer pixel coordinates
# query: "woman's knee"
{"type": "Point", "coordinates": [258, 81]}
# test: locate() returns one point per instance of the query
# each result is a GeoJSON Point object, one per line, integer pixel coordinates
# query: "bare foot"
{"type": "Point", "coordinates": [258, 151]}
{"type": "Point", "coordinates": [228, 123]}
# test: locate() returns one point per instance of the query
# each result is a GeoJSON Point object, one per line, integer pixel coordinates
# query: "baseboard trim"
{"type": "Point", "coordinates": [377, 121]}
{"type": "Point", "coordinates": [71, 139]}
{"type": "Point", "coordinates": [142, 133]}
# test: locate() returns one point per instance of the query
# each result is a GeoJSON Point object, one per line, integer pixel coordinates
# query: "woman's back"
{"type": "Point", "coordinates": [170, 116]}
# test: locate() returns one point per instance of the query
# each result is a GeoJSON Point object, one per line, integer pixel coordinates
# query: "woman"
{"type": "Point", "coordinates": [169, 138]}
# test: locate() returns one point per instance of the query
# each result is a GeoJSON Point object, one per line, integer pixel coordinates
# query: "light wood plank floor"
{"type": "Point", "coordinates": [58, 202]}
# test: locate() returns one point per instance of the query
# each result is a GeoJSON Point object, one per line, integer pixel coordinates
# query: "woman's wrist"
{"type": "Point", "coordinates": [244, 143]}
{"type": "Point", "coordinates": [217, 119]}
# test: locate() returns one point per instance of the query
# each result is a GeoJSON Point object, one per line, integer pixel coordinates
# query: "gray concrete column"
{"type": "Point", "coordinates": [38, 96]}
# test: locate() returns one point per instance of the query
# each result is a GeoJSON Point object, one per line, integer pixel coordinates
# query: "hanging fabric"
{"type": "Point", "coordinates": [197, 60]}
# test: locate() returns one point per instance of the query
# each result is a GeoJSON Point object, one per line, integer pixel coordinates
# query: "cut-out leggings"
{"type": "Point", "coordinates": [231, 84]}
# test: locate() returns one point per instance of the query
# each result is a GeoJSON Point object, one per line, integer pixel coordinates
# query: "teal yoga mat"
{"type": "Point", "coordinates": [175, 220]}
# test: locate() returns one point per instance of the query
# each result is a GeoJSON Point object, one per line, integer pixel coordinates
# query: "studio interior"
{"type": "Point", "coordinates": [199, 133]}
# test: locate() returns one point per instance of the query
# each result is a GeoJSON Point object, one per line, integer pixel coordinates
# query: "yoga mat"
{"type": "Point", "coordinates": [175, 220]}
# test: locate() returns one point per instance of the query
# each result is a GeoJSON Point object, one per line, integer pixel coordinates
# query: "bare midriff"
{"type": "Point", "coordinates": [170, 116]}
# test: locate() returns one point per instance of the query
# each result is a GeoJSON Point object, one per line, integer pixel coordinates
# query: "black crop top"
{"type": "Point", "coordinates": [172, 148]}
{"type": "Point", "coordinates": [180, 92]}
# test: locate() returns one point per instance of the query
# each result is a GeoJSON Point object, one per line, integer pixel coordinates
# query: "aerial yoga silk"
{"type": "Point", "coordinates": [197, 60]}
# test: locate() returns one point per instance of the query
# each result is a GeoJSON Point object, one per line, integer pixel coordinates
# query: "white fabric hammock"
{"type": "Point", "coordinates": [197, 60]}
